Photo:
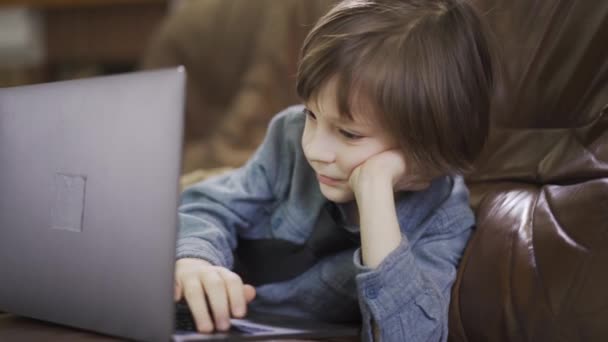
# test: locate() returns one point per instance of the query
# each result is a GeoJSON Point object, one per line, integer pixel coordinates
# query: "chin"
{"type": "Point", "coordinates": [336, 195]}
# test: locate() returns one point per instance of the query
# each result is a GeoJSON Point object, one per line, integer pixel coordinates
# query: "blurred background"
{"type": "Point", "coordinates": [240, 56]}
{"type": "Point", "coordinates": [49, 40]}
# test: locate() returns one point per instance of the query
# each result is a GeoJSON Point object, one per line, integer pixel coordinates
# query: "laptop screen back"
{"type": "Point", "coordinates": [89, 175]}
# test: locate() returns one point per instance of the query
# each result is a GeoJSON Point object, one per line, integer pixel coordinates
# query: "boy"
{"type": "Point", "coordinates": [352, 208]}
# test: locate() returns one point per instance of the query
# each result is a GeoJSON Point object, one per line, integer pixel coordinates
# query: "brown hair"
{"type": "Point", "coordinates": [424, 66]}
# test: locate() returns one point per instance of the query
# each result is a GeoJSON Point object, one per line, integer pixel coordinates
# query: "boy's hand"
{"type": "Point", "coordinates": [374, 183]}
{"type": "Point", "coordinates": [211, 291]}
{"type": "Point", "coordinates": [387, 168]}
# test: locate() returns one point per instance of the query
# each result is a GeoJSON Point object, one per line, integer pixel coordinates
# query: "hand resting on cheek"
{"type": "Point", "coordinates": [388, 168]}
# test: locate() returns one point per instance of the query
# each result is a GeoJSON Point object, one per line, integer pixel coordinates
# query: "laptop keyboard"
{"type": "Point", "coordinates": [185, 322]}
{"type": "Point", "coordinates": [183, 318]}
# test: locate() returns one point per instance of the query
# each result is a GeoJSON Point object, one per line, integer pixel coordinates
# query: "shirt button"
{"type": "Point", "coordinates": [371, 293]}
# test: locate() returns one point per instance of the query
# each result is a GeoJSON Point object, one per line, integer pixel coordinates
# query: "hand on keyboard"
{"type": "Point", "coordinates": [214, 294]}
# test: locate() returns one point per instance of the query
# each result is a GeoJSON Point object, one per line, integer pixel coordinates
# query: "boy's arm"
{"type": "Point", "coordinates": [214, 211]}
{"type": "Point", "coordinates": [405, 291]}
{"type": "Point", "coordinates": [377, 209]}
{"type": "Point", "coordinates": [380, 231]}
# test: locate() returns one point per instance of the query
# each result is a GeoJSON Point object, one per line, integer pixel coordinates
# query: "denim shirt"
{"type": "Point", "coordinates": [275, 195]}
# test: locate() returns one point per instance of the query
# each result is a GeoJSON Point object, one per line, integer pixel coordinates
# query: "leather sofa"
{"type": "Point", "coordinates": [537, 267]}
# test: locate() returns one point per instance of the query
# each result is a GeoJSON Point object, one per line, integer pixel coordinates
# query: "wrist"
{"type": "Point", "coordinates": [193, 260]}
{"type": "Point", "coordinates": [372, 187]}
{"type": "Point", "coordinates": [379, 226]}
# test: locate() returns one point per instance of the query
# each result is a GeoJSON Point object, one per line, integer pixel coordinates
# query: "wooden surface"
{"type": "Point", "coordinates": [16, 329]}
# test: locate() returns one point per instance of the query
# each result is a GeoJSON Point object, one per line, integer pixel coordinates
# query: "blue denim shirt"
{"type": "Point", "coordinates": [276, 195]}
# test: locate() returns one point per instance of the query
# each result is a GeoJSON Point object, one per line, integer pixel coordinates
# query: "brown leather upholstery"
{"type": "Point", "coordinates": [537, 267]}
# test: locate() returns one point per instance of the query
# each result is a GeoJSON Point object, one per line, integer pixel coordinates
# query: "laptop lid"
{"type": "Point", "coordinates": [88, 195]}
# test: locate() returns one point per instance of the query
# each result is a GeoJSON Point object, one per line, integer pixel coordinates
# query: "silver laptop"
{"type": "Point", "coordinates": [89, 175]}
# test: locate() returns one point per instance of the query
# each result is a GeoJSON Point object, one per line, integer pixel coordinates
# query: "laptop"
{"type": "Point", "coordinates": [89, 174]}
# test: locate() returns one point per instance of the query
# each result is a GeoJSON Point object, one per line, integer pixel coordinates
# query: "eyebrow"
{"type": "Point", "coordinates": [342, 120]}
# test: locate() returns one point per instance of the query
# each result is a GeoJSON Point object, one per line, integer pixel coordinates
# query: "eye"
{"type": "Point", "coordinates": [310, 114]}
{"type": "Point", "coordinates": [350, 136]}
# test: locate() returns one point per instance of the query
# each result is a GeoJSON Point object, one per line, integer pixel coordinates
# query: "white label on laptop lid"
{"type": "Point", "coordinates": [68, 202]}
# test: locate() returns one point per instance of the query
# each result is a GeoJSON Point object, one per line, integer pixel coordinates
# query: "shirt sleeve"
{"type": "Point", "coordinates": [407, 296]}
{"type": "Point", "coordinates": [213, 212]}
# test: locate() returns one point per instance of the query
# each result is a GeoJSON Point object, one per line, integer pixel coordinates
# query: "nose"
{"type": "Point", "coordinates": [319, 147]}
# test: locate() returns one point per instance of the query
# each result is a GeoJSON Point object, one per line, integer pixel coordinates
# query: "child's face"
{"type": "Point", "coordinates": [335, 146]}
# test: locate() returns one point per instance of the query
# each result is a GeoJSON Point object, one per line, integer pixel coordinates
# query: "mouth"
{"type": "Point", "coordinates": [328, 180]}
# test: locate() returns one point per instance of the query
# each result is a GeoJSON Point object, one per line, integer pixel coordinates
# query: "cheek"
{"type": "Point", "coordinates": [352, 157]}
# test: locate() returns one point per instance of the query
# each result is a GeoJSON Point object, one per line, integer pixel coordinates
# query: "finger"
{"type": "Point", "coordinates": [249, 292]}
{"type": "Point", "coordinates": [216, 291]}
{"type": "Point", "coordinates": [193, 291]}
{"type": "Point", "coordinates": [236, 295]}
